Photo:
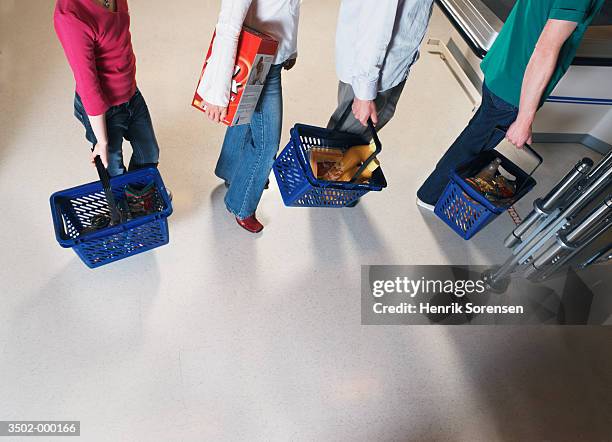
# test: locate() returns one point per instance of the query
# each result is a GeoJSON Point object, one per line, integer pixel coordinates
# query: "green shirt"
{"type": "Point", "coordinates": [505, 64]}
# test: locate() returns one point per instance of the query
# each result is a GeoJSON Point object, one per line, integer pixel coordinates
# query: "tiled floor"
{"type": "Point", "coordinates": [227, 336]}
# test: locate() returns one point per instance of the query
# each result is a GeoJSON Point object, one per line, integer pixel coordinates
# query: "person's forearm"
{"type": "Point", "coordinates": [98, 125]}
{"type": "Point", "coordinates": [216, 83]}
{"type": "Point", "coordinates": [537, 76]}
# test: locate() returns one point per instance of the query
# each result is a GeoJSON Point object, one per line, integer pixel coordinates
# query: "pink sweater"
{"type": "Point", "coordinates": [98, 45]}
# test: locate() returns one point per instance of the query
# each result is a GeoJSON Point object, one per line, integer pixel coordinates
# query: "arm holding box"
{"type": "Point", "coordinates": [215, 85]}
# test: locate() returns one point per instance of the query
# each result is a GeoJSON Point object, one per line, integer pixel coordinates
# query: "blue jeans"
{"type": "Point", "coordinates": [248, 150]}
{"type": "Point", "coordinates": [131, 121]}
{"type": "Point", "coordinates": [478, 136]}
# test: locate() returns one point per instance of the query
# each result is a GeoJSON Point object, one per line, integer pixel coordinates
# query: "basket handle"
{"type": "Point", "coordinates": [115, 213]}
{"type": "Point", "coordinates": [530, 150]}
{"type": "Point", "coordinates": [343, 117]}
{"type": "Point", "coordinates": [377, 142]}
{"type": "Point", "coordinates": [371, 158]}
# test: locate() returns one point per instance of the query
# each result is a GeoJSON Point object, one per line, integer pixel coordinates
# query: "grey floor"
{"type": "Point", "coordinates": [227, 336]}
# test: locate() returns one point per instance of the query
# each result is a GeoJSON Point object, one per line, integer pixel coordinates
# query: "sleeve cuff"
{"type": "Point", "coordinates": [215, 101]}
{"type": "Point", "coordinates": [572, 15]}
{"type": "Point", "coordinates": [210, 92]}
{"type": "Point", "coordinates": [95, 109]}
{"type": "Point", "coordinates": [365, 89]}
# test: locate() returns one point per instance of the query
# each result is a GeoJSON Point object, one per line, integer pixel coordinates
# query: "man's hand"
{"type": "Point", "coordinates": [519, 132]}
{"type": "Point", "coordinates": [364, 109]}
{"type": "Point", "coordinates": [214, 113]}
{"type": "Point", "coordinates": [289, 63]}
{"type": "Point", "coordinates": [102, 150]}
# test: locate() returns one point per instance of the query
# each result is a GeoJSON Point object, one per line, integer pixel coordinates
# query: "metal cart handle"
{"type": "Point", "coordinates": [115, 213]}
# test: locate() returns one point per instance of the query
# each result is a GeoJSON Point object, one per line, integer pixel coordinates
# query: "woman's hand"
{"type": "Point", "coordinates": [214, 113]}
{"type": "Point", "coordinates": [102, 150]}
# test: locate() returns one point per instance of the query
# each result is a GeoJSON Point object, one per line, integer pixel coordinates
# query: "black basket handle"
{"type": "Point", "coordinates": [115, 213]}
{"type": "Point", "coordinates": [530, 150]}
{"type": "Point", "coordinates": [343, 117]}
{"type": "Point", "coordinates": [527, 147]}
{"type": "Point", "coordinates": [377, 142]}
{"type": "Point", "coordinates": [372, 157]}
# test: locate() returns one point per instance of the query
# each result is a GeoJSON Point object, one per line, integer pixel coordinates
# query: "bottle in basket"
{"type": "Point", "coordinates": [492, 184]}
{"type": "Point", "coordinates": [489, 172]}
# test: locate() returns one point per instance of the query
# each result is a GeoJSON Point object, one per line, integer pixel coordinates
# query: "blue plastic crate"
{"type": "Point", "coordinates": [465, 209]}
{"type": "Point", "coordinates": [298, 185]}
{"type": "Point", "coordinates": [72, 210]}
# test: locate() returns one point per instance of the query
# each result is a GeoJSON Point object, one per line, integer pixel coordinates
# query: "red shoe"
{"type": "Point", "coordinates": [251, 224]}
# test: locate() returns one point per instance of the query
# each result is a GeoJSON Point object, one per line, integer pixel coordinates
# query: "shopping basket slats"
{"type": "Point", "coordinates": [73, 210]}
{"type": "Point", "coordinates": [297, 184]}
{"type": "Point", "coordinates": [466, 210]}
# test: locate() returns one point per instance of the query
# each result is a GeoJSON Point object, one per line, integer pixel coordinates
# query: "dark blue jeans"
{"type": "Point", "coordinates": [131, 121]}
{"type": "Point", "coordinates": [478, 136]}
{"type": "Point", "coordinates": [248, 150]}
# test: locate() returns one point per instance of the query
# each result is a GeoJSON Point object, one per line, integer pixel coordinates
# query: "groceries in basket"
{"type": "Point", "coordinates": [476, 195]}
{"type": "Point", "coordinates": [254, 57]}
{"type": "Point", "coordinates": [142, 200]}
{"type": "Point", "coordinates": [137, 201]}
{"type": "Point", "coordinates": [297, 170]}
{"type": "Point", "coordinates": [492, 184]}
{"type": "Point", "coordinates": [337, 165]}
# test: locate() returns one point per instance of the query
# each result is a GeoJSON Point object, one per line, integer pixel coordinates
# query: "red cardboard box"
{"type": "Point", "coordinates": [254, 57]}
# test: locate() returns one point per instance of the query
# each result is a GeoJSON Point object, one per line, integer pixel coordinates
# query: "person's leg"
{"type": "Point", "coordinates": [236, 137]}
{"type": "Point", "coordinates": [115, 128]}
{"type": "Point", "coordinates": [140, 133]}
{"type": "Point", "coordinates": [255, 163]}
{"type": "Point", "coordinates": [479, 135]}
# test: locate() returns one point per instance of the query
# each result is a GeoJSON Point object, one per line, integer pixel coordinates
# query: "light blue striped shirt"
{"type": "Point", "coordinates": [377, 41]}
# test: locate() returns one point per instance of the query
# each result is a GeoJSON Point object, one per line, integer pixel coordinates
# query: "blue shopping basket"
{"type": "Point", "coordinates": [296, 181]}
{"type": "Point", "coordinates": [466, 210]}
{"type": "Point", "coordinates": [73, 210]}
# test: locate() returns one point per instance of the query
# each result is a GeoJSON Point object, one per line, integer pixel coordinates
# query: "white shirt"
{"type": "Point", "coordinates": [377, 41]}
{"type": "Point", "coordinates": [276, 18]}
